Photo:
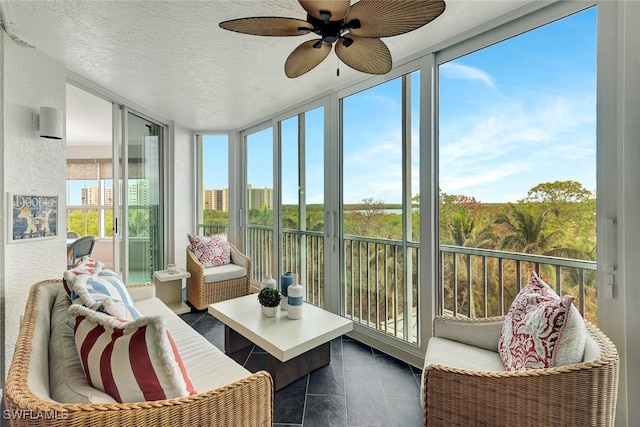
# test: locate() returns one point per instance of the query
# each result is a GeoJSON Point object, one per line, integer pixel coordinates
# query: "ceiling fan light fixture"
{"type": "Point", "coordinates": [340, 24]}
{"type": "Point", "coordinates": [325, 16]}
{"type": "Point", "coordinates": [330, 38]}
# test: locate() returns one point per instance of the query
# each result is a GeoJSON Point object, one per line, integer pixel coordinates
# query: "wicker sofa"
{"type": "Point", "coordinates": [465, 384]}
{"type": "Point", "coordinates": [228, 394]}
{"type": "Point", "coordinates": [209, 285]}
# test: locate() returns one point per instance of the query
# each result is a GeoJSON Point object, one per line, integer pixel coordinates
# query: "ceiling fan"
{"type": "Point", "coordinates": [355, 30]}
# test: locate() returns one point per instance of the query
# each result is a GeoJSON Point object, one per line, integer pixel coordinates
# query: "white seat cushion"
{"type": "Point", "coordinates": [224, 272]}
{"type": "Point", "coordinates": [453, 354]}
{"type": "Point", "coordinates": [207, 366]}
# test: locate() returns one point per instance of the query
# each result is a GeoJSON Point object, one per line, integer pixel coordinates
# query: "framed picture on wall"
{"type": "Point", "coordinates": [32, 217]}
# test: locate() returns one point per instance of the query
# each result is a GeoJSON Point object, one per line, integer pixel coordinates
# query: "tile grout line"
{"type": "Point", "coordinates": [248, 356]}
{"type": "Point", "coordinates": [304, 407]}
{"type": "Point", "coordinates": [384, 390]}
{"type": "Point", "coordinates": [344, 384]}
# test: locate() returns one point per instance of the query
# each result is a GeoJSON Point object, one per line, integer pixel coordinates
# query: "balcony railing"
{"type": "Point", "coordinates": [302, 254]}
{"type": "Point", "coordinates": [483, 282]}
{"type": "Point", "coordinates": [377, 293]}
{"type": "Point", "coordinates": [209, 229]}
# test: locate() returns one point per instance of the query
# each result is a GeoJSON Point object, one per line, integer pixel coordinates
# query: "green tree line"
{"type": "Point", "coordinates": [554, 219]}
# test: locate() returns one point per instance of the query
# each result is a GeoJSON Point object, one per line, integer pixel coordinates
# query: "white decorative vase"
{"type": "Point", "coordinates": [269, 311]}
{"type": "Point", "coordinates": [294, 301]}
{"type": "Point", "coordinates": [268, 282]}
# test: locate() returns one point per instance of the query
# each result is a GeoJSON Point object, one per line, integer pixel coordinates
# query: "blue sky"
{"type": "Point", "coordinates": [513, 115]}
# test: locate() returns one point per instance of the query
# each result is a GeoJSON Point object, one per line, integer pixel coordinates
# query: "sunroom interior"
{"type": "Point", "coordinates": [211, 136]}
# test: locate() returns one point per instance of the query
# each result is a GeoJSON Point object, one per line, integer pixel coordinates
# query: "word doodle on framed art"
{"type": "Point", "coordinates": [32, 217]}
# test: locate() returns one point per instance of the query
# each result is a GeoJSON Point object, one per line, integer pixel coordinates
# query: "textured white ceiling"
{"type": "Point", "coordinates": [172, 58]}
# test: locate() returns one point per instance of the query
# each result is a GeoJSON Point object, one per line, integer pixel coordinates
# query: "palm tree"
{"type": "Point", "coordinates": [526, 233]}
{"type": "Point", "coordinates": [465, 231]}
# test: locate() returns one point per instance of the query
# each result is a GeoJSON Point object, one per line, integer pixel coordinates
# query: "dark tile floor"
{"type": "Point", "coordinates": [361, 386]}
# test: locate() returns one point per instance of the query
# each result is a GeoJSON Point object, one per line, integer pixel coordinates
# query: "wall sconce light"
{"type": "Point", "coordinates": [49, 122]}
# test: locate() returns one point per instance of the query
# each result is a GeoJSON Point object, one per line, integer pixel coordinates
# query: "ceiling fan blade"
{"type": "Point", "coordinates": [338, 8]}
{"type": "Point", "coordinates": [380, 18]}
{"type": "Point", "coordinates": [268, 26]}
{"type": "Point", "coordinates": [305, 58]}
{"type": "Point", "coordinates": [369, 55]}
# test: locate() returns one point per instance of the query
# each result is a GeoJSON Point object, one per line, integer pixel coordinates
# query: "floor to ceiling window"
{"type": "Point", "coordinates": [213, 183]}
{"type": "Point", "coordinates": [259, 202]}
{"type": "Point", "coordinates": [293, 206]}
{"type": "Point", "coordinates": [302, 205]}
{"type": "Point", "coordinates": [517, 168]}
{"type": "Point", "coordinates": [380, 227]}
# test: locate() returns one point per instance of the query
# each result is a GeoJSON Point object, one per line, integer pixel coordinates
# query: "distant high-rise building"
{"type": "Point", "coordinates": [108, 196]}
{"type": "Point", "coordinates": [139, 193]}
{"type": "Point", "coordinates": [215, 199]}
{"type": "Point", "coordinates": [89, 196]}
{"type": "Point", "coordinates": [218, 199]}
{"type": "Point", "coordinates": [259, 197]}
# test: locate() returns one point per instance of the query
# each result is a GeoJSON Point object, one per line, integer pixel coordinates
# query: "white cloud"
{"type": "Point", "coordinates": [509, 147]}
{"type": "Point", "coordinates": [458, 71]}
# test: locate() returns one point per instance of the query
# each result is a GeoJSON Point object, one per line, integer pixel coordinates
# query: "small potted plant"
{"type": "Point", "coordinates": [270, 300]}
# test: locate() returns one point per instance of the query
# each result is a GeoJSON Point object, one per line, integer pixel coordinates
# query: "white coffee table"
{"type": "Point", "coordinates": [295, 347]}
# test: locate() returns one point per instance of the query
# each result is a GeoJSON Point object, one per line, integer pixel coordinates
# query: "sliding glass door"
{"type": "Point", "coordinates": [139, 224]}
{"type": "Point", "coordinates": [380, 209]}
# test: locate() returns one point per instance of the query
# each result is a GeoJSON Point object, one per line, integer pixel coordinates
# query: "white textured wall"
{"type": "Point", "coordinates": [184, 202]}
{"type": "Point", "coordinates": [32, 165]}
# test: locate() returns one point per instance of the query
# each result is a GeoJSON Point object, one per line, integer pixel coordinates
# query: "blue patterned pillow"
{"type": "Point", "coordinates": [102, 290]}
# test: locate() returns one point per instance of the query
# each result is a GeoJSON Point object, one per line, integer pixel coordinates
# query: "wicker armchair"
{"type": "Point", "coordinates": [203, 289]}
{"type": "Point", "coordinates": [583, 394]}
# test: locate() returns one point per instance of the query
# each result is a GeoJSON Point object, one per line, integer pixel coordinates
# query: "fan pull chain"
{"type": "Point", "coordinates": [337, 67]}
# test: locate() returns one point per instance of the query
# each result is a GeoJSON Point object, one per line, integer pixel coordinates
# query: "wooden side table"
{"type": "Point", "coordinates": [169, 289]}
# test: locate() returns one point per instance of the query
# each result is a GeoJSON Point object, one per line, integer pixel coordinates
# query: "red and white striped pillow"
{"type": "Point", "coordinates": [131, 361]}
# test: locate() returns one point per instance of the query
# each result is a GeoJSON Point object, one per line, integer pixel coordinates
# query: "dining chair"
{"type": "Point", "coordinates": [79, 248]}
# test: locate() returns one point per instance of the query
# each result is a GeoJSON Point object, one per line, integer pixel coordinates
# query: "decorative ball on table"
{"type": "Point", "coordinates": [269, 300]}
